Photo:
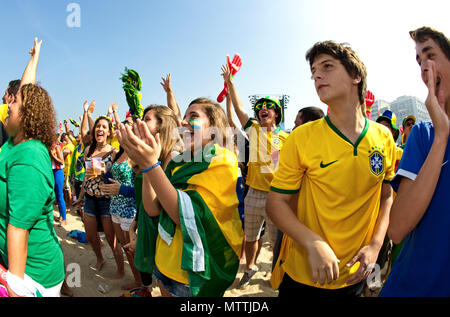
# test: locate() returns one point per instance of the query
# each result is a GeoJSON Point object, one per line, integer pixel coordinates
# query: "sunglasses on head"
{"type": "Point", "coordinates": [265, 105]}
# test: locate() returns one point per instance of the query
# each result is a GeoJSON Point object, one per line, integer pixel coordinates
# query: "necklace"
{"type": "Point", "coordinates": [99, 148]}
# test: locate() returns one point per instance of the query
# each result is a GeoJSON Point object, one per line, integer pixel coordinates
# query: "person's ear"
{"type": "Point", "coordinates": [357, 80]}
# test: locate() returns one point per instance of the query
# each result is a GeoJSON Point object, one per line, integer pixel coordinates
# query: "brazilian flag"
{"type": "Point", "coordinates": [210, 224]}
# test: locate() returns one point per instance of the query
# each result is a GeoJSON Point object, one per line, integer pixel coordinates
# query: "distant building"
{"type": "Point", "coordinates": [402, 107]}
{"type": "Point", "coordinates": [284, 100]}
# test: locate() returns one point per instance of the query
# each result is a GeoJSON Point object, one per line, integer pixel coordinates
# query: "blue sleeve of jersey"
{"type": "Point", "coordinates": [415, 153]}
{"type": "Point", "coordinates": [127, 191]}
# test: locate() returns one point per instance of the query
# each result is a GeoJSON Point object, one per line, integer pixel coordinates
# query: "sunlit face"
{"type": "Point", "coordinates": [12, 121]}
{"type": "Point", "coordinates": [102, 131]}
{"type": "Point", "coordinates": [331, 79]}
{"type": "Point", "coordinates": [195, 127]}
{"type": "Point", "coordinates": [151, 121]}
{"type": "Point", "coordinates": [430, 51]}
{"type": "Point", "coordinates": [407, 128]}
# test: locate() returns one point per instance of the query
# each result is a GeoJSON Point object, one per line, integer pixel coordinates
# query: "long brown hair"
{"type": "Point", "coordinates": [168, 124]}
{"type": "Point", "coordinates": [38, 119]}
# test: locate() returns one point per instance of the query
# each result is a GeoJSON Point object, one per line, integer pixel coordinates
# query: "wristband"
{"type": "Point", "coordinates": [151, 167]}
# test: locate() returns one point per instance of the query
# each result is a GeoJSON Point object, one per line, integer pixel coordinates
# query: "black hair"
{"type": "Point", "coordinates": [311, 114]}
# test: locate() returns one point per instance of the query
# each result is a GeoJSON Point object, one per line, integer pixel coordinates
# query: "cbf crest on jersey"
{"type": "Point", "coordinates": [376, 161]}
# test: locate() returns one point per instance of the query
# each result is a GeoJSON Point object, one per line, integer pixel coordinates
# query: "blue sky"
{"type": "Point", "coordinates": [190, 39]}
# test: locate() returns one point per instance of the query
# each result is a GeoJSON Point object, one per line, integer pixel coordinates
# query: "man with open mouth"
{"type": "Point", "coordinates": [266, 139]}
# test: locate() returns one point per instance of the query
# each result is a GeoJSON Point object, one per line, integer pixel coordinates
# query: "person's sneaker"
{"type": "Point", "coordinates": [248, 274]}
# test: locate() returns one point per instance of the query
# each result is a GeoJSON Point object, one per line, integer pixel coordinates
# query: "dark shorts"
{"type": "Point", "coordinates": [96, 207]}
{"type": "Point", "coordinates": [173, 287]}
{"type": "Point", "coordinates": [291, 288]}
{"type": "Point", "coordinates": [77, 185]}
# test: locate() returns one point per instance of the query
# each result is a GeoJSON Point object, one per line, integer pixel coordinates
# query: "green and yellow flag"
{"type": "Point", "coordinates": [210, 224]}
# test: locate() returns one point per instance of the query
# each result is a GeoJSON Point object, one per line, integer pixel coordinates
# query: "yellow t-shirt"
{"type": "Point", "coordinates": [114, 142]}
{"type": "Point", "coordinates": [3, 113]}
{"type": "Point", "coordinates": [264, 148]}
{"type": "Point", "coordinates": [340, 190]}
{"type": "Point", "coordinates": [68, 158]}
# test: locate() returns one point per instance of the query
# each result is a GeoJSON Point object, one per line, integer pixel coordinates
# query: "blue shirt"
{"type": "Point", "coordinates": [421, 269]}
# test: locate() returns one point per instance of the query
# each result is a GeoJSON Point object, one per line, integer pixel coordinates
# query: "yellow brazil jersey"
{"type": "Point", "coordinates": [68, 158]}
{"type": "Point", "coordinates": [168, 258]}
{"type": "Point", "coordinates": [3, 113]}
{"type": "Point", "coordinates": [264, 148]}
{"type": "Point", "coordinates": [340, 191]}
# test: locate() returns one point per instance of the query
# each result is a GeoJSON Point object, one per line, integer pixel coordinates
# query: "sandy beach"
{"type": "Point", "coordinates": [82, 255]}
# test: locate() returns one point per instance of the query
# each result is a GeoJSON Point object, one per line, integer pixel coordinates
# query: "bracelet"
{"type": "Point", "coordinates": [151, 167]}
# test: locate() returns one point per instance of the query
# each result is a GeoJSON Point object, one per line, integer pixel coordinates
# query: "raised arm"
{"type": "Point", "coordinates": [84, 120]}
{"type": "Point", "coordinates": [171, 102]}
{"type": "Point", "coordinates": [235, 99]}
{"type": "Point", "coordinates": [29, 75]}
{"type": "Point", "coordinates": [114, 109]}
{"type": "Point", "coordinates": [67, 128]}
{"type": "Point", "coordinates": [230, 113]}
{"type": "Point", "coordinates": [87, 117]}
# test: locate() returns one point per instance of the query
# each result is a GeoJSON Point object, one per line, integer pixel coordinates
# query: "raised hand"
{"type": "Point", "coordinates": [166, 83]}
{"type": "Point", "coordinates": [227, 75]}
{"type": "Point", "coordinates": [86, 106]}
{"type": "Point", "coordinates": [91, 107]}
{"type": "Point", "coordinates": [36, 50]}
{"type": "Point", "coordinates": [142, 148]}
{"type": "Point", "coordinates": [114, 106]}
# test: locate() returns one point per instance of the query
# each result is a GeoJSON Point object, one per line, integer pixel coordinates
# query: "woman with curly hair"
{"type": "Point", "coordinates": [28, 243]}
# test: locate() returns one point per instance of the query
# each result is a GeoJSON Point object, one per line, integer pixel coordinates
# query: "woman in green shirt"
{"type": "Point", "coordinates": [28, 243]}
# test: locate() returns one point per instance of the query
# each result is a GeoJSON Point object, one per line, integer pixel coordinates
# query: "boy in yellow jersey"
{"type": "Point", "coordinates": [340, 167]}
{"type": "Point", "coordinates": [266, 139]}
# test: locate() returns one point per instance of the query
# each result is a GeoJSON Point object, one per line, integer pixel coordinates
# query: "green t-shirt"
{"type": "Point", "coordinates": [145, 249]}
{"type": "Point", "coordinates": [26, 202]}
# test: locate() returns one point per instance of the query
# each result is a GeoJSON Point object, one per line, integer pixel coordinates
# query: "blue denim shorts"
{"type": "Point", "coordinates": [96, 207]}
{"type": "Point", "coordinates": [173, 287]}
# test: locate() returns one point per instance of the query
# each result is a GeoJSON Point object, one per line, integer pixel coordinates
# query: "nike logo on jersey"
{"type": "Point", "coordinates": [326, 165]}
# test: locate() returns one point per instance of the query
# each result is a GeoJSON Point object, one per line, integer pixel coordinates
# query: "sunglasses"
{"type": "Point", "coordinates": [265, 105]}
